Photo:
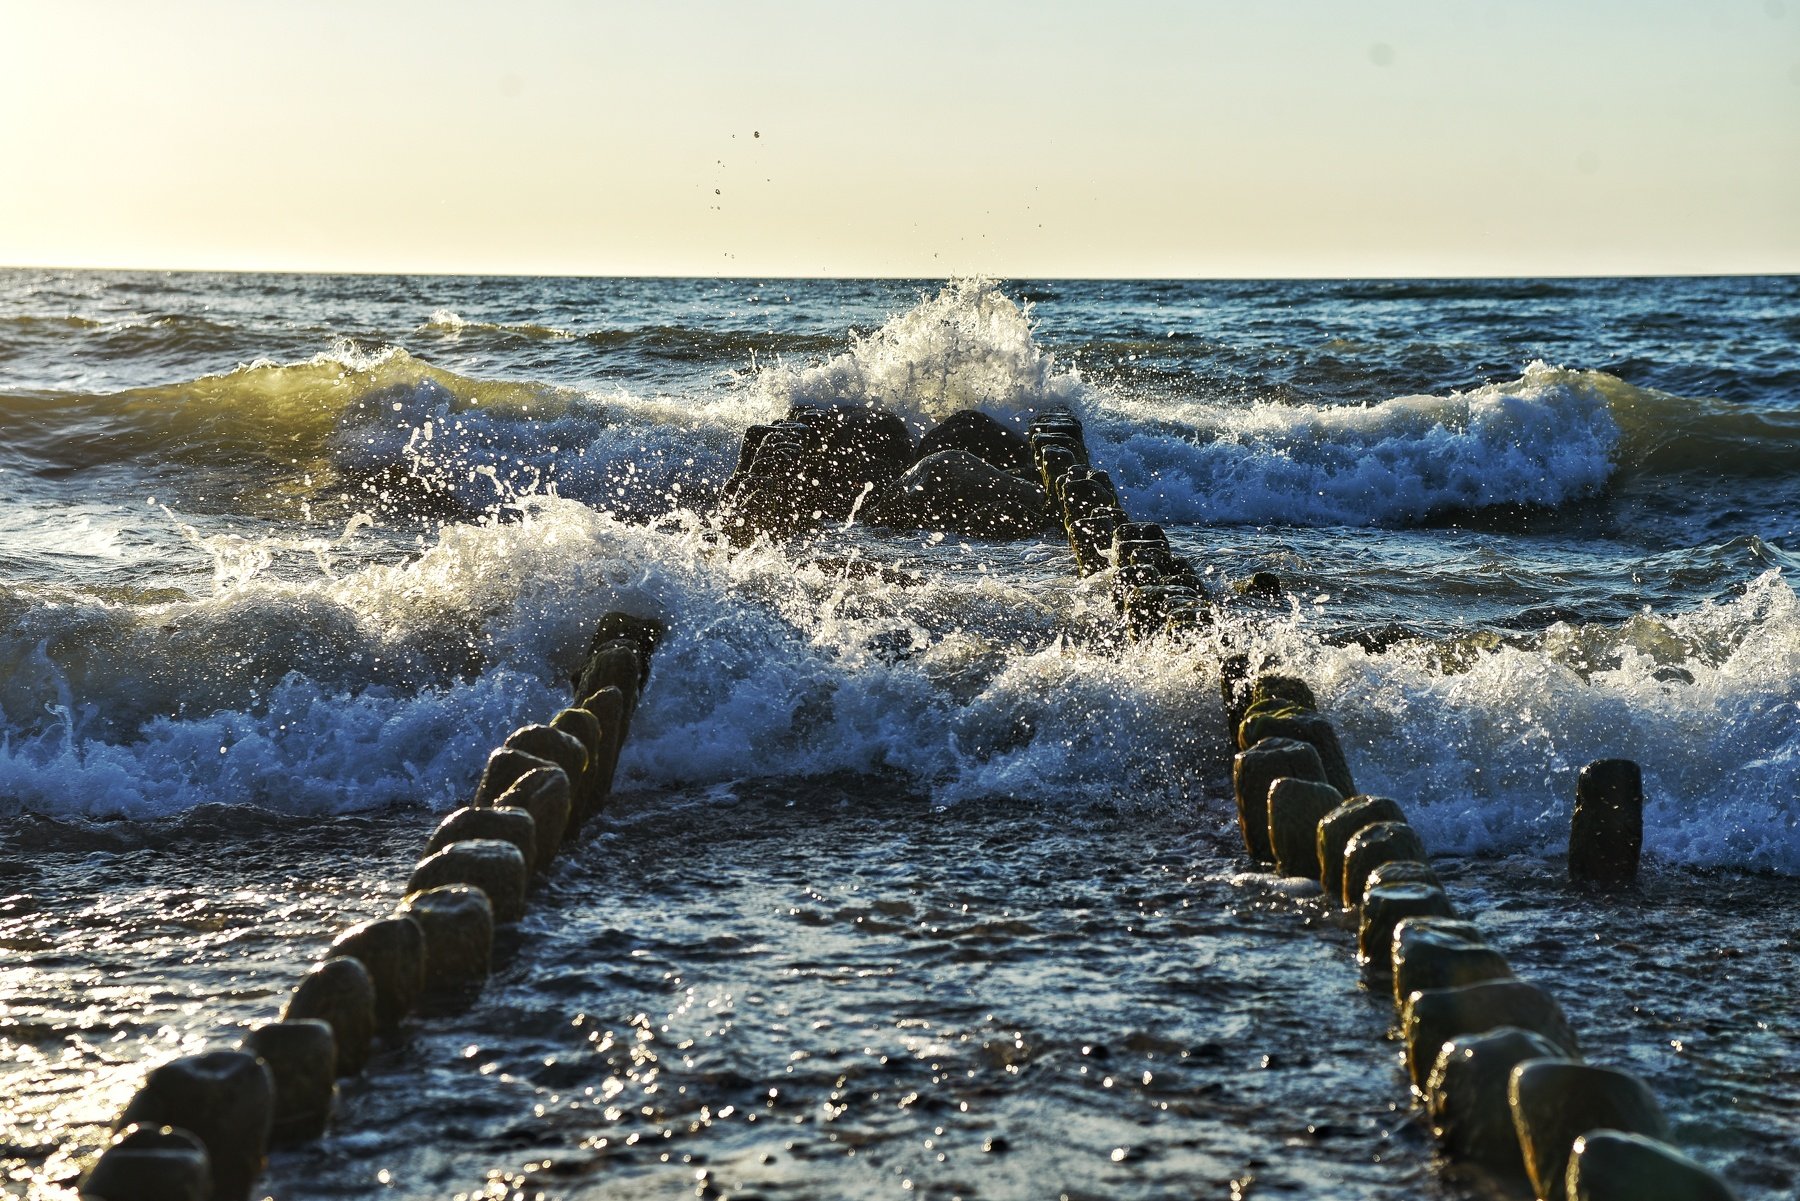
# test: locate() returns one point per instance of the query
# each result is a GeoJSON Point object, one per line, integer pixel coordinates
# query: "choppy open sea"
{"type": "Point", "coordinates": [918, 885]}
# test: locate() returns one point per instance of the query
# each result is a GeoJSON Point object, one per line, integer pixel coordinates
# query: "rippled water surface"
{"type": "Point", "coordinates": [844, 989]}
{"type": "Point", "coordinates": [922, 878]}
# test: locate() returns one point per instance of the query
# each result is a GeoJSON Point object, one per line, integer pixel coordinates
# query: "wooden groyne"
{"type": "Point", "coordinates": [1492, 1060]}
{"type": "Point", "coordinates": [200, 1127]}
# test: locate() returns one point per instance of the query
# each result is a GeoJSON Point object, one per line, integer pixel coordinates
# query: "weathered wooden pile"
{"type": "Point", "coordinates": [1492, 1058]}
{"type": "Point", "coordinates": [200, 1126]}
{"type": "Point", "coordinates": [1153, 588]}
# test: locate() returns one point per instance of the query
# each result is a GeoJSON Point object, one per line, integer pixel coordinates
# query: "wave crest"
{"type": "Point", "coordinates": [967, 347]}
{"type": "Point", "coordinates": [1543, 439]}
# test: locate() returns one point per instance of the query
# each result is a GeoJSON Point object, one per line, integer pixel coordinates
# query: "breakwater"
{"type": "Point", "coordinates": [200, 1126]}
{"type": "Point", "coordinates": [202, 1121]}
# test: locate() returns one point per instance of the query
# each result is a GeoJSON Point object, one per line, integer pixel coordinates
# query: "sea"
{"type": "Point", "coordinates": [918, 880]}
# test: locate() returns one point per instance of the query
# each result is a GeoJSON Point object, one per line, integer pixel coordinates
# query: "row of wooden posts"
{"type": "Point", "coordinates": [1492, 1058]}
{"type": "Point", "coordinates": [200, 1126]}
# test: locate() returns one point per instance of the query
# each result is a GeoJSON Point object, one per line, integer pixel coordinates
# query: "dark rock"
{"type": "Point", "coordinates": [302, 1059]}
{"type": "Point", "coordinates": [753, 440]}
{"type": "Point", "coordinates": [1466, 1096]}
{"type": "Point", "coordinates": [340, 993]}
{"type": "Point", "coordinates": [151, 1162]}
{"type": "Point", "coordinates": [980, 435]}
{"type": "Point", "coordinates": [226, 1099]}
{"type": "Point", "coordinates": [1606, 835]}
{"type": "Point", "coordinates": [1262, 585]}
{"type": "Point", "coordinates": [854, 448]}
{"type": "Point", "coordinates": [956, 492]}
{"type": "Point", "coordinates": [1556, 1101]}
{"type": "Point", "coordinates": [1253, 771]}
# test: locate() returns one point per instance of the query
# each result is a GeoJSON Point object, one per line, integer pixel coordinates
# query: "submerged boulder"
{"type": "Point", "coordinates": [982, 436]}
{"type": "Point", "coordinates": [815, 464]}
{"type": "Point", "coordinates": [957, 493]}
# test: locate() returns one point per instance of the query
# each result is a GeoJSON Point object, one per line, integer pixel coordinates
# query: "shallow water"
{"type": "Point", "coordinates": [843, 989]}
{"type": "Point", "coordinates": [281, 558]}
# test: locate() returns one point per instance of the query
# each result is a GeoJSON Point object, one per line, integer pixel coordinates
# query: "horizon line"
{"type": "Point", "coordinates": [1280, 277]}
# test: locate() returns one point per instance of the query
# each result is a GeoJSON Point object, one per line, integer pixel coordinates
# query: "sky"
{"type": "Point", "coordinates": [917, 139]}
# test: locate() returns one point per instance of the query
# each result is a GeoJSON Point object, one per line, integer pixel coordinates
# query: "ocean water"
{"type": "Point", "coordinates": [283, 557]}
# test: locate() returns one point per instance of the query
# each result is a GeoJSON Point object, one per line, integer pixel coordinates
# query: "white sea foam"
{"type": "Point", "coordinates": [375, 683]}
{"type": "Point", "coordinates": [391, 683]}
{"type": "Point", "coordinates": [1543, 439]}
{"type": "Point", "coordinates": [967, 347]}
{"type": "Point", "coordinates": [1484, 759]}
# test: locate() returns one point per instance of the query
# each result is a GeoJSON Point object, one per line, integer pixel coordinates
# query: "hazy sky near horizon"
{"type": "Point", "coordinates": [1290, 137]}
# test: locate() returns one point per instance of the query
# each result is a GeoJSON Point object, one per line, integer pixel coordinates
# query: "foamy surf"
{"type": "Point", "coordinates": [1544, 439]}
{"type": "Point", "coordinates": [386, 684]}
{"type": "Point", "coordinates": [316, 664]}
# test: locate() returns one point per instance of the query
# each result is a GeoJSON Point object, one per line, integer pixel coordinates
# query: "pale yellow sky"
{"type": "Point", "coordinates": [1284, 137]}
